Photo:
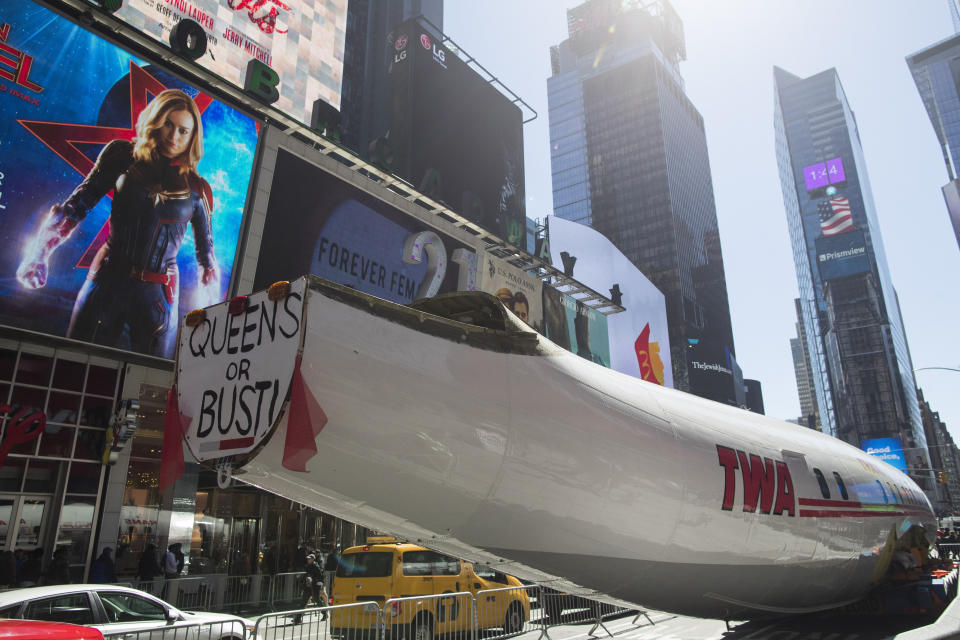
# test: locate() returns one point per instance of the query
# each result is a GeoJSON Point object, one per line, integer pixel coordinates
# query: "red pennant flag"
{"type": "Point", "coordinates": [174, 426]}
{"type": "Point", "coordinates": [306, 421]}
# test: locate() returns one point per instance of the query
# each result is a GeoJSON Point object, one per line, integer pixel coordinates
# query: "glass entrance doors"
{"type": "Point", "coordinates": [23, 522]}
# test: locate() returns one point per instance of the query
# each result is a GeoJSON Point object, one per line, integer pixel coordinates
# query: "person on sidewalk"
{"type": "Point", "coordinates": [312, 588]}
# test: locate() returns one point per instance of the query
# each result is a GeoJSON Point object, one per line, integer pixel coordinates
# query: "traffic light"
{"type": "Point", "coordinates": [942, 477]}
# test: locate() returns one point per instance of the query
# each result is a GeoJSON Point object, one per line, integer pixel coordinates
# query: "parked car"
{"type": "Point", "coordinates": [40, 630]}
{"type": "Point", "coordinates": [375, 573]}
{"type": "Point", "coordinates": [114, 609]}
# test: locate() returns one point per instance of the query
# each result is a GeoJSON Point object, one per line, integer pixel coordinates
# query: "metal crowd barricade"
{"type": "Point", "coordinates": [231, 630]}
{"type": "Point", "coordinates": [286, 590]}
{"type": "Point", "coordinates": [506, 612]}
{"type": "Point", "coordinates": [192, 593]}
{"type": "Point", "coordinates": [345, 621]}
{"type": "Point", "coordinates": [453, 615]}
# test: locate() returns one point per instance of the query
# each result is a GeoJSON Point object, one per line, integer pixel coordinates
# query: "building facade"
{"type": "Point", "coordinates": [944, 456]}
{"type": "Point", "coordinates": [809, 414]}
{"type": "Point", "coordinates": [367, 56]}
{"type": "Point", "coordinates": [629, 158]}
{"type": "Point", "coordinates": [858, 355]}
{"type": "Point", "coordinates": [936, 72]}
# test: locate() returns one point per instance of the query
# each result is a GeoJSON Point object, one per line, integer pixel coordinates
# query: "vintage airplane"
{"type": "Point", "coordinates": [449, 422]}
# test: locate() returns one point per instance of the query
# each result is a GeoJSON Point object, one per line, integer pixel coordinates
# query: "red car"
{"type": "Point", "coordinates": [39, 630]}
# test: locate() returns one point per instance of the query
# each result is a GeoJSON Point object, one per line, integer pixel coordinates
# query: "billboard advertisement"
{"type": "Point", "coordinates": [821, 174]}
{"type": "Point", "coordinates": [842, 255]}
{"type": "Point", "coordinates": [518, 290]}
{"type": "Point", "coordinates": [455, 137]}
{"type": "Point", "coordinates": [302, 40]}
{"type": "Point", "coordinates": [319, 224]}
{"type": "Point", "coordinates": [639, 339]}
{"type": "Point", "coordinates": [121, 188]}
{"type": "Point", "coordinates": [576, 327]}
{"type": "Point", "coordinates": [890, 450]}
{"type": "Point", "coordinates": [713, 372]}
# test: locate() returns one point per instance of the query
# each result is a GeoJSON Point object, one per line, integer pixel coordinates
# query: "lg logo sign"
{"type": "Point", "coordinates": [439, 55]}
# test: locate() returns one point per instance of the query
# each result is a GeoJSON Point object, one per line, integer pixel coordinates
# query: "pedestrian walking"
{"type": "Point", "coordinates": [312, 588]}
{"type": "Point", "coordinates": [102, 571]}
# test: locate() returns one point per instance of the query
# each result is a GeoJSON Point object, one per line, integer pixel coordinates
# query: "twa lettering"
{"type": "Point", "coordinates": [15, 64]}
{"type": "Point", "coordinates": [766, 482]}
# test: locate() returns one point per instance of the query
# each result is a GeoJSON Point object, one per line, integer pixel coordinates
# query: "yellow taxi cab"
{"type": "Point", "coordinates": [384, 569]}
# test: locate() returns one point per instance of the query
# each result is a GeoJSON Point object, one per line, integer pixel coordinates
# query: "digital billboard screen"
{"type": "Point", "coordinates": [638, 338]}
{"type": "Point", "coordinates": [842, 255]}
{"type": "Point", "coordinates": [319, 224]}
{"type": "Point", "coordinates": [711, 371]}
{"type": "Point", "coordinates": [302, 40]}
{"type": "Point", "coordinates": [518, 290]}
{"type": "Point", "coordinates": [455, 136]}
{"type": "Point", "coordinates": [890, 450]}
{"type": "Point", "coordinates": [111, 228]}
{"type": "Point", "coordinates": [576, 327]}
{"type": "Point", "coordinates": [819, 175]}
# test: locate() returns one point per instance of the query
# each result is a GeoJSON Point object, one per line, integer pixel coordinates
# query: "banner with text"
{"type": "Point", "coordinates": [316, 223]}
{"type": "Point", "coordinates": [302, 40]}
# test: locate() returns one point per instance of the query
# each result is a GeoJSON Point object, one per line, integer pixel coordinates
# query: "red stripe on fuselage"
{"type": "Point", "coordinates": [811, 502]}
{"type": "Point", "coordinates": [806, 513]}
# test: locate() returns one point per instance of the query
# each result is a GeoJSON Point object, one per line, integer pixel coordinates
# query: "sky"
{"type": "Point", "coordinates": [732, 47]}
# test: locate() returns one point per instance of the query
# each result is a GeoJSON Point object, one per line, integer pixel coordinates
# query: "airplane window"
{"type": "Point", "coordinates": [884, 492]}
{"type": "Point", "coordinates": [893, 494]}
{"type": "Point", "coordinates": [824, 489]}
{"type": "Point", "coordinates": [841, 486]}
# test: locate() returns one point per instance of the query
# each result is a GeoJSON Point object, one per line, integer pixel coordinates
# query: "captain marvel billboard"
{"type": "Point", "coordinates": [121, 187]}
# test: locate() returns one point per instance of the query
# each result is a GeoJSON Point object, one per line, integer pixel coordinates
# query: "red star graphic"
{"type": "Point", "coordinates": [62, 138]}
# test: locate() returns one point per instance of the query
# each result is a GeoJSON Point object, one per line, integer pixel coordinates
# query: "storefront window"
{"type": "Point", "coordinates": [76, 526]}
{"type": "Point", "coordinates": [11, 474]}
{"type": "Point", "coordinates": [140, 512]}
{"type": "Point", "coordinates": [34, 369]}
{"type": "Point", "coordinates": [69, 375]}
{"type": "Point", "coordinates": [84, 478]}
{"type": "Point", "coordinates": [41, 475]}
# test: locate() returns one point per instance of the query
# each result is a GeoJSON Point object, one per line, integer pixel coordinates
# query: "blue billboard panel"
{"type": "Point", "coordinates": [890, 450]}
{"type": "Point", "coordinates": [319, 224]}
{"type": "Point", "coordinates": [842, 255]}
{"type": "Point", "coordinates": [113, 220]}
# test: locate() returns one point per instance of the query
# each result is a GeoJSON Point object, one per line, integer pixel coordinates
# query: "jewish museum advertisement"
{"type": "Point", "coordinates": [121, 188]}
{"type": "Point", "coordinates": [639, 337]}
{"type": "Point", "coordinates": [319, 224]}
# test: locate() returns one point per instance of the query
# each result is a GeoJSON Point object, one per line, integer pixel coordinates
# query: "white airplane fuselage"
{"type": "Point", "coordinates": [558, 470]}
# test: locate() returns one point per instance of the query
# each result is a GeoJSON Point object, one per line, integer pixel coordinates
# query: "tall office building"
{"type": "Point", "coordinates": [936, 72]}
{"type": "Point", "coordinates": [366, 92]}
{"type": "Point", "coordinates": [809, 414]}
{"type": "Point", "coordinates": [858, 354]}
{"type": "Point", "coordinates": [629, 158]}
{"type": "Point", "coordinates": [944, 456]}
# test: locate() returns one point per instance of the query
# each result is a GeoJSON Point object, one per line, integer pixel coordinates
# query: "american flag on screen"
{"type": "Point", "coordinates": [835, 216]}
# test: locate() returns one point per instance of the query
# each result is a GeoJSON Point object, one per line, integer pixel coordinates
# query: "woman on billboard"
{"type": "Point", "coordinates": [133, 283]}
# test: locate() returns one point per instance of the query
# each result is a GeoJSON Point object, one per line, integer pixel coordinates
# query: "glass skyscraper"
{"type": "Point", "coordinates": [629, 158]}
{"type": "Point", "coordinates": [936, 72]}
{"type": "Point", "coordinates": [857, 350]}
